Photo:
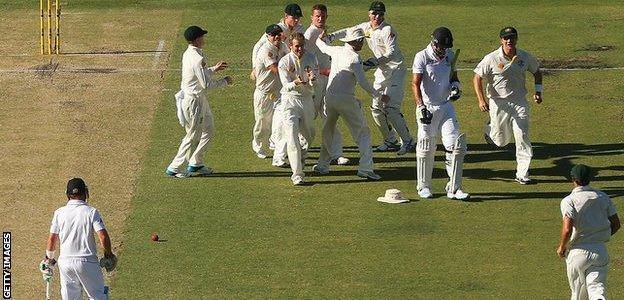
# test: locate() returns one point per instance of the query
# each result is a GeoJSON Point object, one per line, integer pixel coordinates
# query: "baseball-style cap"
{"type": "Point", "coordinates": [442, 36]}
{"type": "Point", "coordinates": [581, 173]}
{"type": "Point", "coordinates": [294, 10]}
{"type": "Point", "coordinates": [508, 32]}
{"type": "Point", "coordinates": [76, 186]}
{"type": "Point", "coordinates": [193, 32]}
{"type": "Point", "coordinates": [273, 29]}
{"type": "Point", "coordinates": [377, 6]}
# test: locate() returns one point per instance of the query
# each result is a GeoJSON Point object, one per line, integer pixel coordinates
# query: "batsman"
{"type": "Point", "coordinates": [436, 86]}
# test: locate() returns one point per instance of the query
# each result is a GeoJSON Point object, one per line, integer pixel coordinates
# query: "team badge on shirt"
{"type": "Point", "coordinates": [501, 65]}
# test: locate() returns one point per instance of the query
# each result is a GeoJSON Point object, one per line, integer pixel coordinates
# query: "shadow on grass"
{"type": "Point", "coordinates": [495, 196]}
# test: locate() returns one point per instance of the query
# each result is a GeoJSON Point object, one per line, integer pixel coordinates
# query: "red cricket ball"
{"type": "Point", "coordinates": [155, 237]}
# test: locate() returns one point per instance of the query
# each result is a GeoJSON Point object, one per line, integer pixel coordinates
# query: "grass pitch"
{"type": "Point", "coordinates": [248, 233]}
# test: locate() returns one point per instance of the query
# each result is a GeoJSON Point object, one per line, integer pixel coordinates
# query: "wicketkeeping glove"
{"type": "Point", "coordinates": [46, 267]}
{"type": "Point", "coordinates": [424, 115]}
{"type": "Point", "coordinates": [108, 262]}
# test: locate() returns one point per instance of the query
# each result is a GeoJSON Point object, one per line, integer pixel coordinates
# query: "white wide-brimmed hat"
{"type": "Point", "coordinates": [393, 196]}
{"type": "Point", "coordinates": [353, 34]}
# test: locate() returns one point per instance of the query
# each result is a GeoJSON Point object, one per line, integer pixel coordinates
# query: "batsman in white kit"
{"type": "Point", "coordinates": [73, 227]}
{"type": "Point", "coordinates": [504, 70]}
{"type": "Point", "coordinates": [390, 75]}
{"type": "Point", "coordinates": [435, 85]}
{"type": "Point", "coordinates": [589, 221]}
{"type": "Point", "coordinates": [193, 109]}
{"type": "Point", "coordinates": [298, 76]}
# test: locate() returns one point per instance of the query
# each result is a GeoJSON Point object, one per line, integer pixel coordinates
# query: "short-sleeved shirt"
{"type": "Point", "coordinates": [267, 81]}
{"type": "Point", "coordinates": [504, 79]}
{"type": "Point", "coordinates": [590, 210]}
{"type": "Point", "coordinates": [436, 74]}
{"type": "Point", "coordinates": [76, 223]}
{"type": "Point", "coordinates": [290, 66]}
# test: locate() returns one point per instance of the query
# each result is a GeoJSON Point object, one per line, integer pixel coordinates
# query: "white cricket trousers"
{"type": "Point", "coordinates": [445, 122]}
{"type": "Point", "coordinates": [587, 267]}
{"type": "Point", "coordinates": [263, 115]}
{"type": "Point", "coordinates": [510, 118]}
{"type": "Point", "coordinates": [199, 131]}
{"type": "Point", "coordinates": [388, 116]}
{"type": "Point", "coordinates": [350, 109]}
{"type": "Point", "coordinates": [319, 105]}
{"type": "Point", "coordinates": [78, 274]}
{"type": "Point", "coordinates": [298, 119]}
{"type": "Point", "coordinates": [277, 134]}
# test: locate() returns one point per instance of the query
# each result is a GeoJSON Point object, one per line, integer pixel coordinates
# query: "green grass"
{"type": "Point", "coordinates": [248, 233]}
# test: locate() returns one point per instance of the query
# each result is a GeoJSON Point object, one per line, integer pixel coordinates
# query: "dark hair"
{"type": "Point", "coordinates": [320, 7]}
{"type": "Point", "coordinates": [297, 36]}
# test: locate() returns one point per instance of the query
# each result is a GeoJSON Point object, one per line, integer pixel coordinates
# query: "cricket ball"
{"type": "Point", "coordinates": [155, 237]}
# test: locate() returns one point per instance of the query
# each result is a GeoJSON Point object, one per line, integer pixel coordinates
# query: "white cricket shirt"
{"type": "Point", "coordinates": [436, 74]}
{"type": "Point", "coordinates": [266, 81]}
{"type": "Point", "coordinates": [76, 223]}
{"type": "Point", "coordinates": [290, 66]}
{"type": "Point", "coordinates": [286, 32]}
{"type": "Point", "coordinates": [196, 77]}
{"type": "Point", "coordinates": [346, 70]}
{"type": "Point", "coordinates": [311, 35]}
{"type": "Point", "coordinates": [590, 210]}
{"type": "Point", "coordinates": [504, 79]}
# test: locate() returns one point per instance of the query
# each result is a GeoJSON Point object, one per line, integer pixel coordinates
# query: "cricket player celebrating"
{"type": "Point", "coordinates": [346, 70]}
{"type": "Point", "coordinates": [267, 89]}
{"type": "Point", "coordinates": [298, 76]}
{"type": "Point", "coordinates": [199, 125]}
{"type": "Point", "coordinates": [74, 226]}
{"type": "Point", "coordinates": [435, 85]}
{"type": "Point", "coordinates": [589, 220]}
{"type": "Point", "coordinates": [389, 78]}
{"type": "Point", "coordinates": [319, 18]}
{"type": "Point", "coordinates": [504, 71]}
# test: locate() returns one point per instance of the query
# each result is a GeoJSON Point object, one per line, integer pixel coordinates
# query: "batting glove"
{"type": "Point", "coordinates": [424, 115]}
{"type": "Point", "coordinates": [108, 262]}
{"type": "Point", "coordinates": [46, 267]}
{"type": "Point", "coordinates": [455, 91]}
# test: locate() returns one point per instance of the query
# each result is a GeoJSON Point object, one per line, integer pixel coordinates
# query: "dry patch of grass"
{"type": "Point", "coordinates": [90, 121]}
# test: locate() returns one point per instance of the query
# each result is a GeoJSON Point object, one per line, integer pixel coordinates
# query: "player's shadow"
{"type": "Point", "coordinates": [496, 196]}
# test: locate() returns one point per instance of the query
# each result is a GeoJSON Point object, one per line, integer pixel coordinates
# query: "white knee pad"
{"type": "Point", "coordinates": [456, 162]}
{"type": "Point", "coordinates": [425, 149]}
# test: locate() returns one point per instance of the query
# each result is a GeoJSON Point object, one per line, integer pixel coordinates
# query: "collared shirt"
{"type": "Point", "coordinates": [286, 32]}
{"type": "Point", "coordinates": [436, 73]}
{"type": "Point", "coordinates": [76, 223]}
{"type": "Point", "coordinates": [196, 77]}
{"type": "Point", "coordinates": [504, 79]}
{"type": "Point", "coordinates": [290, 66]}
{"type": "Point", "coordinates": [590, 210]}
{"type": "Point", "coordinates": [311, 35]}
{"type": "Point", "coordinates": [267, 81]}
{"type": "Point", "coordinates": [382, 41]}
{"type": "Point", "coordinates": [346, 70]}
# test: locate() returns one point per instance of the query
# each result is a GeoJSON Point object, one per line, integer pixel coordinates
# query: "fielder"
{"type": "Point", "coordinates": [298, 76]}
{"type": "Point", "coordinates": [199, 124]}
{"type": "Point", "coordinates": [433, 81]}
{"type": "Point", "coordinates": [346, 70]}
{"type": "Point", "coordinates": [267, 89]}
{"type": "Point", "coordinates": [390, 75]}
{"type": "Point", "coordinates": [74, 225]}
{"type": "Point", "coordinates": [589, 220]}
{"type": "Point", "coordinates": [318, 25]}
{"type": "Point", "coordinates": [504, 71]}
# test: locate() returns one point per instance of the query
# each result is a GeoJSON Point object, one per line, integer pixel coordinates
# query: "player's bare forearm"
{"type": "Point", "coordinates": [416, 82]}
{"type": "Point", "coordinates": [105, 241]}
{"type": "Point", "coordinates": [566, 233]}
{"type": "Point", "coordinates": [615, 223]}
{"type": "Point", "coordinates": [51, 244]}
{"type": "Point", "coordinates": [478, 87]}
{"type": "Point", "coordinates": [538, 77]}
{"type": "Point", "coordinates": [454, 76]}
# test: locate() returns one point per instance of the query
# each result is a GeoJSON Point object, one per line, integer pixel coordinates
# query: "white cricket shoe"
{"type": "Point", "coordinates": [320, 170]}
{"type": "Point", "coordinates": [458, 195]}
{"type": "Point", "coordinates": [281, 164]}
{"type": "Point", "coordinates": [298, 180]}
{"type": "Point", "coordinates": [261, 154]}
{"type": "Point", "coordinates": [370, 175]}
{"type": "Point", "coordinates": [425, 193]}
{"type": "Point", "coordinates": [341, 161]}
{"type": "Point", "coordinates": [407, 147]}
{"type": "Point", "coordinates": [524, 180]}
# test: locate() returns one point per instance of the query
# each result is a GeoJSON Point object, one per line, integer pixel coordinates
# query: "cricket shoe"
{"type": "Point", "coordinates": [341, 161]}
{"type": "Point", "coordinates": [524, 180]}
{"type": "Point", "coordinates": [407, 147]}
{"type": "Point", "coordinates": [198, 171]}
{"type": "Point", "coordinates": [171, 173]}
{"type": "Point", "coordinates": [370, 175]}
{"type": "Point", "coordinates": [281, 164]}
{"type": "Point", "coordinates": [389, 146]}
{"type": "Point", "coordinates": [457, 195]}
{"type": "Point", "coordinates": [425, 193]}
{"type": "Point", "coordinates": [298, 180]}
{"type": "Point", "coordinates": [261, 154]}
{"type": "Point", "coordinates": [321, 170]}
